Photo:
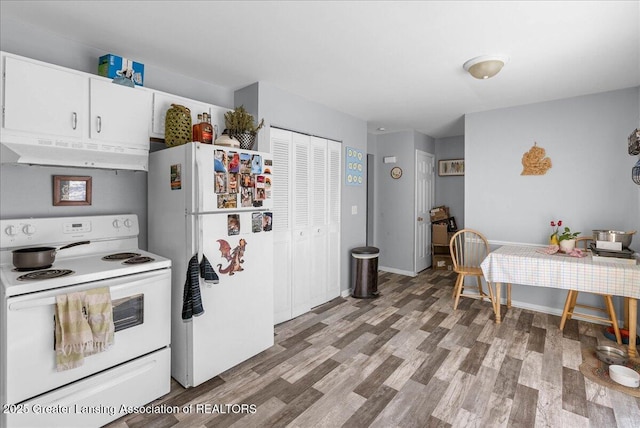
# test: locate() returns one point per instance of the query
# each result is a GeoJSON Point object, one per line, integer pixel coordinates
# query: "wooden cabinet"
{"type": "Point", "coordinates": [306, 222]}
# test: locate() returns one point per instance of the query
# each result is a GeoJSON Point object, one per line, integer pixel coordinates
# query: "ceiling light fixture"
{"type": "Point", "coordinates": [483, 67]}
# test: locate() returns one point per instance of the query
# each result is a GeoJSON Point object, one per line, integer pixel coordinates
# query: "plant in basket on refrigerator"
{"type": "Point", "coordinates": [240, 125]}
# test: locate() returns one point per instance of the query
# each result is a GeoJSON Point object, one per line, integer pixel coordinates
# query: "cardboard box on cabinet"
{"type": "Point", "coordinates": [109, 65]}
{"type": "Point", "coordinates": [439, 213]}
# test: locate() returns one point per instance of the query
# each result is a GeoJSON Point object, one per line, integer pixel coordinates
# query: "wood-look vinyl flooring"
{"type": "Point", "coordinates": [407, 359]}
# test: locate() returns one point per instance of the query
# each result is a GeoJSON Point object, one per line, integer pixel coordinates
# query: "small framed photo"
{"type": "Point", "coordinates": [69, 190]}
{"type": "Point", "coordinates": [449, 167]}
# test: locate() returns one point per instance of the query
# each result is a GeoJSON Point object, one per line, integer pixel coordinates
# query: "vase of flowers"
{"type": "Point", "coordinates": [553, 238]}
{"type": "Point", "coordinates": [567, 239]}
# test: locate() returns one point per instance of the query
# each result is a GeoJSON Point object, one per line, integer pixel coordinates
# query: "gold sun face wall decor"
{"type": "Point", "coordinates": [534, 161]}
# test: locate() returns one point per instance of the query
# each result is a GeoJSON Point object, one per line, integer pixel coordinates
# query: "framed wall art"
{"type": "Point", "coordinates": [448, 167]}
{"type": "Point", "coordinates": [71, 190]}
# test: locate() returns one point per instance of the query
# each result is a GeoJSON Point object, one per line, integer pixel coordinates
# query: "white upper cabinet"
{"type": "Point", "coordinates": [44, 100]}
{"type": "Point", "coordinates": [162, 102]}
{"type": "Point", "coordinates": [119, 114]}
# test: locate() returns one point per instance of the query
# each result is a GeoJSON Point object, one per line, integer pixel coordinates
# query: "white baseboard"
{"type": "Point", "coordinates": [548, 310]}
{"type": "Point", "coordinates": [346, 293]}
{"type": "Point", "coordinates": [398, 271]}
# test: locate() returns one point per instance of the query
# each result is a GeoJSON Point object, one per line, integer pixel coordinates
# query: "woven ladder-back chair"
{"type": "Point", "coordinates": [571, 303]}
{"type": "Point", "coordinates": [468, 249]}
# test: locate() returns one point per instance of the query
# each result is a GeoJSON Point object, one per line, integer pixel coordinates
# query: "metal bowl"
{"type": "Point", "coordinates": [611, 355]}
{"type": "Point", "coordinates": [614, 236]}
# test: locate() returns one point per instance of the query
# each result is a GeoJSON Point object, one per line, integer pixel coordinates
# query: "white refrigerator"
{"type": "Point", "coordinates": [214, 201]}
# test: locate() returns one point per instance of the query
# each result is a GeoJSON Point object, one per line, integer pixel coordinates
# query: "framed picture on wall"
{"type": "Point", "coordinates": [449, 167]}
{"type": "Point", "coordinates": [68, 190]}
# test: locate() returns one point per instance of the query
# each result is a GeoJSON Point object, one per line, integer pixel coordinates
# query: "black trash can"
{"type": "Point", "coordinates": [364, 272]}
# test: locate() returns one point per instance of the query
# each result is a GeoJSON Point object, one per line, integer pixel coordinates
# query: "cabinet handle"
{"type": "Point", "coordinates": [74, 120]}
{"type": "Point", "coordinates": [99, 124]}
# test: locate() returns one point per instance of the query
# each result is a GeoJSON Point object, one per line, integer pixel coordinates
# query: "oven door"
{"type": "Point", "coordinates": [141, 308]}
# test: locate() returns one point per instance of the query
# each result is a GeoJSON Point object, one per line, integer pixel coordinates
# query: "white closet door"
{"type": "Point", "coordinates": [301, 254]}
{"type": "Point", "coordinates": [319, 221]}
{"type": "Point", "coordinates": [334, 194]}
{"type": "Point", "coordinates": [281, 144]}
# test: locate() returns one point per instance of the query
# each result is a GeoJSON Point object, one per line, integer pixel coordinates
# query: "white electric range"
{"type": "Point", "coordinates": [133, 372]}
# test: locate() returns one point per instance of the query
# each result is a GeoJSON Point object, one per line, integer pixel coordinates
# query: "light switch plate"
{"type": "Point", "coordinates": [354, 209]}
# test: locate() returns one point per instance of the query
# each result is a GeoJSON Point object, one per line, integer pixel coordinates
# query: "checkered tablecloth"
{"type": "Point", "coordinates": [526, 266]}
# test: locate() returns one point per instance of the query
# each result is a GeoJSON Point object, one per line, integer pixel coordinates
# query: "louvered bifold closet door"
{"type": "Point", "coordinates": [319, 221]}
{"type": "Point", "coordinates": [301, 254]}
{"type": "Point", "coordinates": [281, 144]}
{"type": "Point", "coordinates": [334, 195]}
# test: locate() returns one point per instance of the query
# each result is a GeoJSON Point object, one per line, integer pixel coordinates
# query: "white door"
{"type": "Point", "coordinates": [424, 202]}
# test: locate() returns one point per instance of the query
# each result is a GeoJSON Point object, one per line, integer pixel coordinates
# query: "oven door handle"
{"type": "Point", "coordinates": [48, 301]}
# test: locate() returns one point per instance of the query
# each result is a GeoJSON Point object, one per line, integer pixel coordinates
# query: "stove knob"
{"type": "Point", "coordinates": [10, 230]}
{"type": "Point", "coordinates": [29, 229]}
{"type": "Point", "coordinates": [128, 223]}
{"type": "Point", "coordinates": [116, 224]}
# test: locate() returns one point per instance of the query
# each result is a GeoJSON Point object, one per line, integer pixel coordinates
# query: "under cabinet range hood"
{"type": "Point", "coordinates": [74, 154]}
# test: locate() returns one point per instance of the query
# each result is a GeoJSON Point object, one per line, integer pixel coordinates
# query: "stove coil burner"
{"type": "Point", "coordinates": [45, 274]}
{"type": "Point", "coordinates": [138, 260]}
{"type": "Point", "coordinates": [120, 256]}
{"type": "Point", "coordinates": [30, 269]}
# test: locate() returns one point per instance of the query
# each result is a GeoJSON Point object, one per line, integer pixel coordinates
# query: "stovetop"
{"type": "Point", "coordinates": [625, 253]}
{"type": "Point", "coordinates": [112, 236]}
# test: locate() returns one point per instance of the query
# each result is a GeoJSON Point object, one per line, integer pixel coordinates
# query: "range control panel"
{"type": "Point", "coordinates": [34, 231]}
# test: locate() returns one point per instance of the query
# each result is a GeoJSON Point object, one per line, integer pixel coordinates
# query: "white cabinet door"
{"type": "Point", "coordinates": [281, 143]}
{"type": "Point", "coordinates": [301, 257]}
{"type": "Point", "coordinates": [42, 99]}
{"type": "Point", "coordinates": [162, 102]}
{"type": "Point", "coordinates": [334, 179]}
{"type": "Point", "coordinates": [119, 114]}
{"type": "Point", "coordinates": [319, 225]}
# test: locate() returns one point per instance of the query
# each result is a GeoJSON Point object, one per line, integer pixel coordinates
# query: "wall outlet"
{"type": "Point", "coordinates": [354, 209]}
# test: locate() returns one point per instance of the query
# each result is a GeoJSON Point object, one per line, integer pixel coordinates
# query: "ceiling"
{"type": "Point", "coordinates": [396, 64]}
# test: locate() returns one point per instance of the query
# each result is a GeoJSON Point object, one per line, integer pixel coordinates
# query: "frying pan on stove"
{"type": "Point", "coordinates": [38, 257]}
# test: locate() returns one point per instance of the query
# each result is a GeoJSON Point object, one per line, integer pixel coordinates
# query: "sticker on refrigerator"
{"type": "Point", "coordinates": [233, 182]}
{"type": "Point", "coordinates": [234, 162]}
{"type": "Point", "coordinates": [176, 176]}
{"type": "Point", "coordinates": [268, 165]}
{"type": "Point", "coordinates": [220, 161]}
{"type": "Point", "coordinates": [227, 201]}
{"type": "Point", "coordinates": [247, 180]}
{"type": "Point", "coordinates": [221, 182]}
{"type": "Point", "coordinates": [245, 163]}
{"type": "Point", "coordinates": [267, 221]}
{"type": "Point", "coordinates": [233, 224]}
{"type": "Point", "coordinates": [246, 197]}
{"type": "Point", "coordinates": [256, 164]}
{"type": "Point", "coordinates": [256, 222]}
{"type": "Point", "coordinates": [235, 256]}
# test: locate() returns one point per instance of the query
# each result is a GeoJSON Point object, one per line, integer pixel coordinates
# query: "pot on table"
{"type": "Point", "coordinates": [614, 236]}
{"type": "Point", "coordinates": [38, 257]}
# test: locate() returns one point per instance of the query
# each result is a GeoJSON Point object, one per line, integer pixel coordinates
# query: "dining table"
{"type": "Point", "coordinates": [531, 265]}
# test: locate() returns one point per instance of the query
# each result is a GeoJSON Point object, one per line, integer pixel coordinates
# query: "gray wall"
{"type": "Point", "coordinates": [394, 212]}
{"type": "Point", "coordinates": [285, 110]}
{"type": "Point", "coordinates": [450, 190]}
{"type": "Point", "coordinates": [588, 187]}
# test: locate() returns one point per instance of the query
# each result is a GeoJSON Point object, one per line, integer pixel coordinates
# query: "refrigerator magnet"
{"type": "Point", "coordinates": [245, 163]}
{"type": "Point", "coordinates": [233, 224]}
{"type": "Point", "coordinates": [176, 176]}
{"type": "Point", "coordinates": [246, 197]}
{"type": "Point", "coordinates": [221, 182]}
{"type": "Point", "coordinates": [220, 161]}
{"type": "Point", "coordinates": [233, 183]}
{"type": "Point", "coordinates": [267, 220]}
{"type": "Point", "coordinates": [256, 222]}
{"type": "Point", "coordinates": [256, 164]}
{"type": "Point", "coordinates": [234, 162]}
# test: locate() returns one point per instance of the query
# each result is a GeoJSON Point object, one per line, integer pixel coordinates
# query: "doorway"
{"type": "Point", "coordinates": [424, 197]}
